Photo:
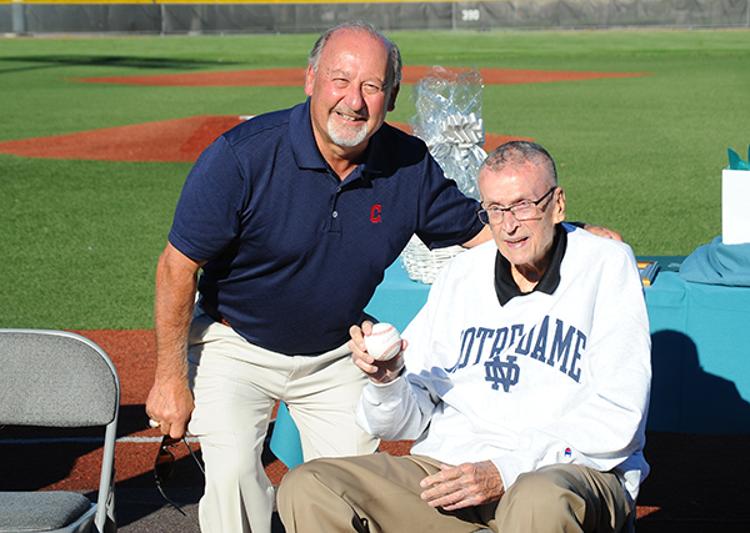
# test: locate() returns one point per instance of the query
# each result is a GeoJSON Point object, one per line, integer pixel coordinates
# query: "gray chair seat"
{"type": "Point", "coordinates": [40, 511]}
{"type": "Point", "coordinates": [62, 380]}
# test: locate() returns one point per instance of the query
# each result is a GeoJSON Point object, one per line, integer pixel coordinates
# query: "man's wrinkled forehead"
{"type": "Point", "coordinates": [351, 41]}
{"type": "Point", "coordinates": [533, 174]}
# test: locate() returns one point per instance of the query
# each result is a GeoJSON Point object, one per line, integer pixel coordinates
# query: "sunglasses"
{"type": "Point", "coordinates": [164, 466]}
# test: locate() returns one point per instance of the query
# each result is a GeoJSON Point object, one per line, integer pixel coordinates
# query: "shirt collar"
{"type": "Point", "coordinates": [304, 147]}
{"type": "Point", "coordinates": [376, 153]}
{"type": "Point", "coordinates": [506, 288]}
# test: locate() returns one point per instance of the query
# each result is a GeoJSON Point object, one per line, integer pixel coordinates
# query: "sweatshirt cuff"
{"type": "Point", "coordinates": [385, 393]}
{"type": "Point", "coordinates": [510, 468]}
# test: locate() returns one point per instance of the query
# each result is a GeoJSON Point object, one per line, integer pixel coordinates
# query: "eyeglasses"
{"type": "Point", "coordinates": [523, 210]}
{"type": "Point", "coordinates": [164, 466]}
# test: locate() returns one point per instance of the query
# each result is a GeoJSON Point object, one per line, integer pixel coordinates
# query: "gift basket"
{"type": "Point", "coordinates": [448, 120]}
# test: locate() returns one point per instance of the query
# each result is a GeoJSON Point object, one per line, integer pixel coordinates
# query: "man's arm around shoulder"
{"type": "Point", "coordinates": [480, 238]}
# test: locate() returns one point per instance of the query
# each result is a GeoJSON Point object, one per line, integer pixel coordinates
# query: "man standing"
{"type": "Point", "coordinates": [293, 217]}
{"type": "Point", "coordinates": [524, 381]}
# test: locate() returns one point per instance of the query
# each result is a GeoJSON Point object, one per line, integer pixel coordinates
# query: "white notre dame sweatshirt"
{"type": "Point", "coordinates": [542, 379]}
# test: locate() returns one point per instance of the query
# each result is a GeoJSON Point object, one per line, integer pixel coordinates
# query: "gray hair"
{"type": "Point", "coordinates": [518, 153]}
{"type": "Point", "coordinates": [393, 73]}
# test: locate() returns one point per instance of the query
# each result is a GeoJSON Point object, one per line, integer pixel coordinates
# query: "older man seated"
{"type": "Point", "coordinates": [524, 381]}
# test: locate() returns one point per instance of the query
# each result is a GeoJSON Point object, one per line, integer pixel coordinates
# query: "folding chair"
{"type": "Point", "coordinates": [58, 379]}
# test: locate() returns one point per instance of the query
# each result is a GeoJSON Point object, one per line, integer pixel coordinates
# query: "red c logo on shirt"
{"type": "Point", "coordinates": [375, 211]}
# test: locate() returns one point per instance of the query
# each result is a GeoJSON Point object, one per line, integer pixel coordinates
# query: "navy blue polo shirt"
{"type": "Point", "coordinates": [293, 253]}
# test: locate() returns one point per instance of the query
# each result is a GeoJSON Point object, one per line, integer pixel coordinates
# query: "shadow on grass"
{"type": "Point", "coordinates": [53, 61]}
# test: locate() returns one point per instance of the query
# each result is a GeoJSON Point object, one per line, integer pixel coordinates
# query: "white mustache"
{"type": "Point", "coordinates": [351, 113]}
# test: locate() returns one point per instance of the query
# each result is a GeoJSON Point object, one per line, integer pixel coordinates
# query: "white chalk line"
{"type": "Point", "coordinates": [83, 440]}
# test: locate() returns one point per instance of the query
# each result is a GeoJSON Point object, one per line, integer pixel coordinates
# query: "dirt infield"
{"type": "Point", "coordinates": [164, 141]}
{"type": "Point", "coordinates": [294, 77]}
{"type": "Point", "coordinates": [182, 140]}
{"type": "Point", "coordinates": [177, 140]}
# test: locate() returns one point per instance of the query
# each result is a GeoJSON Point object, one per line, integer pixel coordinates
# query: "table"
{"type": "Point", "coordinates": [700, 352]}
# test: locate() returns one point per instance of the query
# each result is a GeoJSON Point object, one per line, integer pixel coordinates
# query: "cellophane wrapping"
{"type": "Point", "coordinates": [449, 121]}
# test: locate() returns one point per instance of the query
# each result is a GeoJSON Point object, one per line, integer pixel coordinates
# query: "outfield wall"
{"type": "Point", "coordinates": [269, 16]}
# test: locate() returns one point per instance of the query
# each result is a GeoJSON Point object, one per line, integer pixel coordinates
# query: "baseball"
{"type": "Point", "coordinates": [384, 342]}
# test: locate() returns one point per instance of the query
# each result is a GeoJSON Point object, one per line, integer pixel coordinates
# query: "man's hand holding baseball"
{"type": "Point", "coordinates": [465, 485]}
{"type": "Point", "coordinates": [377, 371]}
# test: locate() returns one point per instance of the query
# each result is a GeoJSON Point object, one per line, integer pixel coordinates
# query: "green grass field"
{"type": "Point", "coordinates": [80, 239]}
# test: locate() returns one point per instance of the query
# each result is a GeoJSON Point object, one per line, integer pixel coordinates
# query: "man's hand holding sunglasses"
{"type": "Point", "coordinates": [170, 404]}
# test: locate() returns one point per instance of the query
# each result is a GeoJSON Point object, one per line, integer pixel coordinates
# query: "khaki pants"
{"type": "Point", "coordinates": [380, 494]}
{"type": "Point", "coordinates": [236, 385]}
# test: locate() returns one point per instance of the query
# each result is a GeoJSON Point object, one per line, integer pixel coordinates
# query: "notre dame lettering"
{"type": "Point", "coordinates": [555, 344]}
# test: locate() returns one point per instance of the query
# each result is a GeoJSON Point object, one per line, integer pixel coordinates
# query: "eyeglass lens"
{"type": "Point", "coordinates": [525, 210]}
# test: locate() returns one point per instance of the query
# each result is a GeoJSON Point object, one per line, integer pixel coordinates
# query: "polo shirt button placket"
{"type": "Point", "coordinates": [334, 225]}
